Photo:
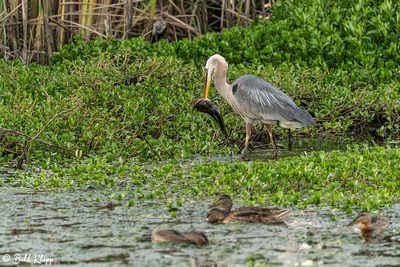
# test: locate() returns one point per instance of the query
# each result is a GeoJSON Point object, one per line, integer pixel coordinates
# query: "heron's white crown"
{"type": "Point", "coordinates": [215, 60]}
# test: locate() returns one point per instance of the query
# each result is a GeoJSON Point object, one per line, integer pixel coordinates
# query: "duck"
{"type": "Point", "coordinates": [220, 212]}
{"type": "Point", "coordinates": [366, 222]}
{"type": "Point", "coordinates": [177, 237]}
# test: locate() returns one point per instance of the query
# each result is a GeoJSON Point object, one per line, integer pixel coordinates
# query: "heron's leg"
{"type": "Point", "coordinates": [247, 141]}
{"type": "Point", "coordinates": [271, 137]}
{"type": "Point", "coordinates": [290, 140]}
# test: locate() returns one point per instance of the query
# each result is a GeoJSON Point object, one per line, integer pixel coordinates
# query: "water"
{"type": "Point", "coordinates": [72, 228]}
{"type": "Point", "coordinates": [263, 151]}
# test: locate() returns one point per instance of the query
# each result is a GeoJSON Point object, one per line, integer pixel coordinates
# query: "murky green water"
{"type": "Point", "coordinates": [72, 228]}
{"type": "Point", "coordinates": [263, 151]}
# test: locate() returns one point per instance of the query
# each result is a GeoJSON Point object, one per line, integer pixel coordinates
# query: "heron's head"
{"type": "Point", "coordinates": [362, 221]}
{"type": "Point", "coordinates": [213, 63]}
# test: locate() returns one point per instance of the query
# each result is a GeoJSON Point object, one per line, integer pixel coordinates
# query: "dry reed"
{"type": "Point", "coordinates": [34, 29]}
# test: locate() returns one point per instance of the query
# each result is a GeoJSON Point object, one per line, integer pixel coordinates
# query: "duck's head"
{"type": "Point", "coordinates": [224, 203]}
{"type": "Point", "coordinates": [362, 221]}
{"type": "Point", "coordinates": [198, 238]}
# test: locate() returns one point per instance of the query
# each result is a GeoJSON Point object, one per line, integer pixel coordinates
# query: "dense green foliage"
{"type": "Point", "coordinates": [154, 119]}
{"type": "Point", "coordinates": [322, 33]}
{"type": "Point", "coordinates": [337, 59]}
{"type": "Point", "coordinates": [363, 177]}
{"type": "Point", "coordinates": [340, 58]}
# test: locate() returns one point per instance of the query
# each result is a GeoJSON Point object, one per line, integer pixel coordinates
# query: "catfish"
{"type": "Point", "coordinates": [206, 106]}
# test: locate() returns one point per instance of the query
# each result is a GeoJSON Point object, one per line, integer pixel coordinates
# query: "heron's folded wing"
{"type": "Point", "coordinates": [258, 99]}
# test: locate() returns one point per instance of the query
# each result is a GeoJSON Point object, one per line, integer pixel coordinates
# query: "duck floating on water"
{"type": "Point", "coordinates": [174, 236]}
{"type": "Point", "coordinates": [220, 212]}
{"type": "Point", "coordinates": [369, 224]}
{"type": "Point", "coordinates": [365, 222]}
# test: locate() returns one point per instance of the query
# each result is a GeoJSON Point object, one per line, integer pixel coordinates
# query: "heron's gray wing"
{"type": "Point", "coordinates": [258, 99]}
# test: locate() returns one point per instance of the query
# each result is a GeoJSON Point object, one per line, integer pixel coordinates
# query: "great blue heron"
{"type": "Point", "coordinates": [255, 100]}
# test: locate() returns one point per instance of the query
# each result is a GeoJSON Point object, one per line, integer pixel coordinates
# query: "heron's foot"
{"type": "Point", "coordinates": [228, 142]}
{"type": "Point", "coordinates": [245, 154]}
{"type": "Point", "coordinates": [290, 142]}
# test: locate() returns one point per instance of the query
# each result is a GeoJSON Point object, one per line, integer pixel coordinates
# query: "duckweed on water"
{"type": "Point", "coordinates": [338, 60]}
{"type": "Point", "coordinates": [362, 177]}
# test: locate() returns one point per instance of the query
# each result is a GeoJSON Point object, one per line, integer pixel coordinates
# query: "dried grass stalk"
{"type": "Point", "coordinates": [34, 29]}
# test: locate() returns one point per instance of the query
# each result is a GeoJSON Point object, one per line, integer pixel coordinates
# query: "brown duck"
{"type": "Point", "coordinates": [220, 212]}
{"type": "Point", "coordinates": [174, 236]}
{"type": "Point", "coordinates": [365, 222]}
{"type": "Point", "coordinates": [369, 224]}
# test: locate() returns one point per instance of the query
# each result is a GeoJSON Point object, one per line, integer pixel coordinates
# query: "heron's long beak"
{"type": "Point", "coordinates": [207, 83]}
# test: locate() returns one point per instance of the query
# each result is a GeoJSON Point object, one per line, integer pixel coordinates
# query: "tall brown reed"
{"type": "Point", "coordinates": [34, 29]}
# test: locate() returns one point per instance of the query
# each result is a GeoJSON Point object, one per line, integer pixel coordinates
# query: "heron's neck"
{"type": "Point", "coordinates": [220, 81]}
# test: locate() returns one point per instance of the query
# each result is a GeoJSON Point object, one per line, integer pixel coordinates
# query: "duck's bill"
{"type": "Point", "coordinates": [352, 222]}
{"type": "Point", "coordinates": [214, 205]}
{"type": "Point", "coordinates": [206, 106]}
